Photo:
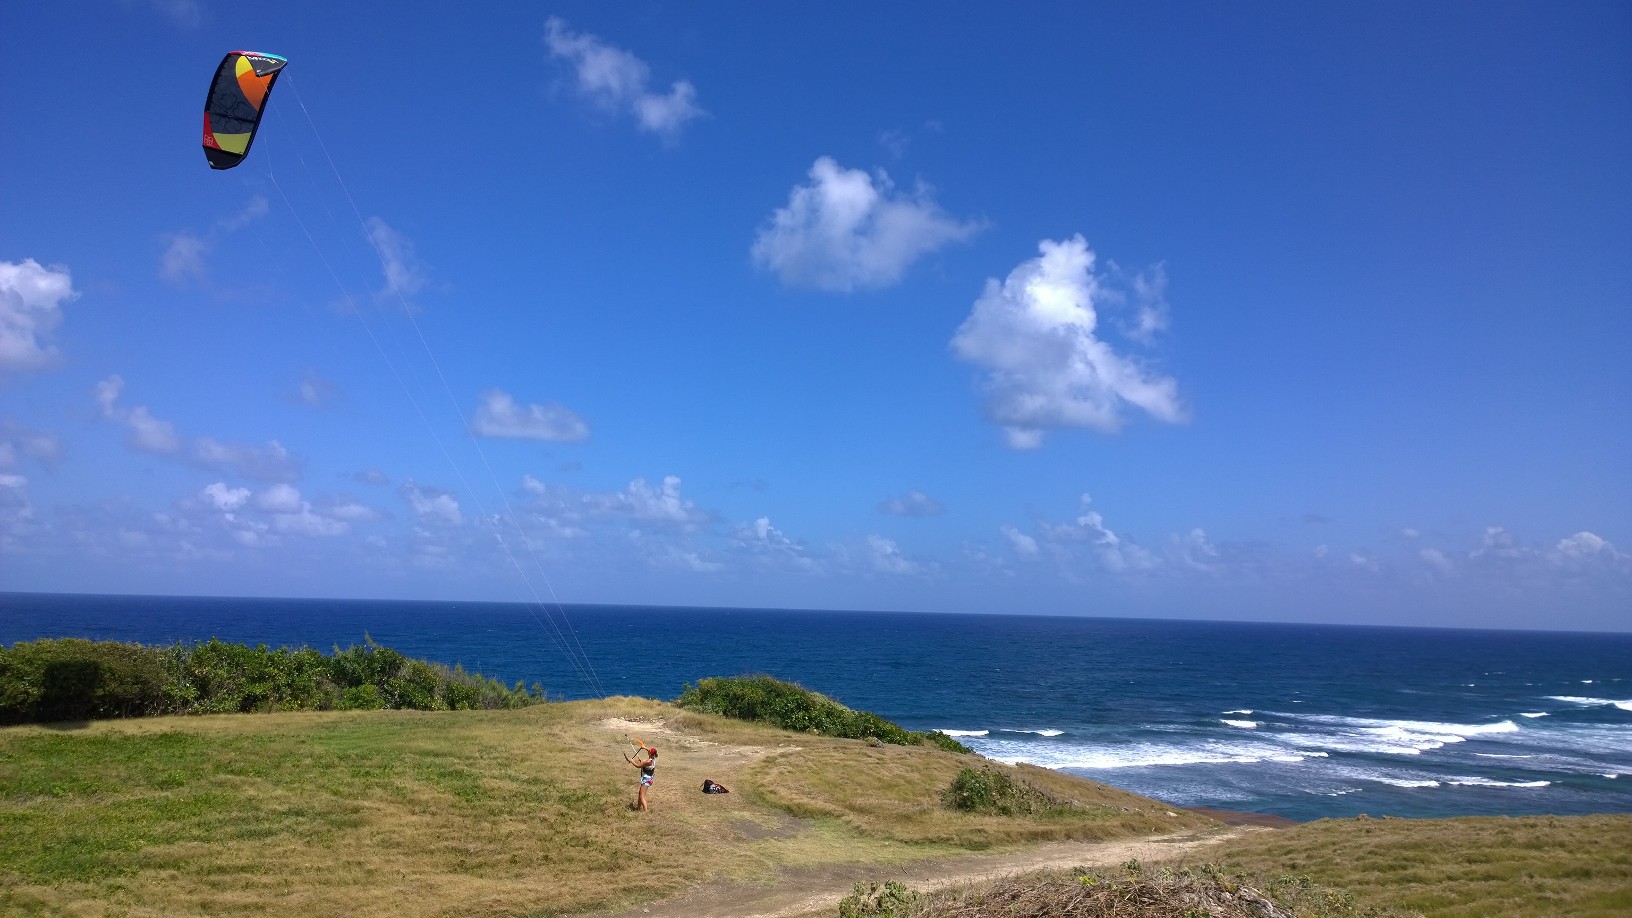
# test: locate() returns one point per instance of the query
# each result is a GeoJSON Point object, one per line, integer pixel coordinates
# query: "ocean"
{"type": "Point", "coordinates": [1302, 721]}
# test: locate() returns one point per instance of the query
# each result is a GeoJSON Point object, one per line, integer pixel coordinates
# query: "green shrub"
{"type": "Point", "coordinates": [791, 707]}
{"type": "Point", "coordinates": [988, 790]}
{"type": "Point", "coordinates": [889, 899]}
{"type": "Point", "coordinates": [75, 679]}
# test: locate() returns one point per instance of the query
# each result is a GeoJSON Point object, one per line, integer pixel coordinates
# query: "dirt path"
{"type": "Point", "coordinates": [816, 892]}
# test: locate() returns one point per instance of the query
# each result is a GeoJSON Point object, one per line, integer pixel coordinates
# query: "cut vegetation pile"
{"type": "Point", "coordinates": [1134, 893]}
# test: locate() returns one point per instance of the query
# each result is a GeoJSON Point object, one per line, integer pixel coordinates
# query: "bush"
{"type": "Point", "coordinates": [75, 679]}
{"type": "Point", "coordinates": [791, 707]}
{"type": "Point", "coordinates": [889, 899]}
{"type": "Point", "coordinates": [987, 790]}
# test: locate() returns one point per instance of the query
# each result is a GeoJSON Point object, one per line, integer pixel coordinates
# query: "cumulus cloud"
{"type": "Point", "coordinates": [1023, 545]}
{"type": "Point", "coordinates": [432, 505]}
{"type": "Point", "coordinates": [186, 253]}
{"type": "Point", "coordinates": [618, 81]}
{"type": "Point", "coordinates": [1112, 552]}
{"type": "Point", "coordinates": [279, 498]}
{"type": "Point", "coordinates": [1034, 335]}
{"type": "Point", "coordinates": [147, 433]}
{"type": "Point", "coordinates": [272, 462]}
{"type": "Point", "coordinates": [1197, 551]}
{"type": "Point", "coordinates": [315, 391]}
{"type": "Point", "coordinates": [18, 442]}
{"type": "Point", "coordinates": [404, 274]}
{"type": "Point", "coordinates": [1437, 561]}
{"type": "Point", "coordinates": [885, 557]}
{"type": "Point", "coordinates": [371, 477]}
{"type": "Point", "coordinates": [912, 503]}
{"type": "Point", "coordinates": [31, 298]}
{"type": "Point", "coordinates": [225, 499]}
{"type": "Point", "coordinates": [847, 230]}
{"type": "Point", "coordinates": [498, 415]}
{"type": "Point", "coordinates": [641, 501]}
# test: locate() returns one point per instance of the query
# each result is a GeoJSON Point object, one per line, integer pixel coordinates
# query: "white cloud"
{"type": "Point", "coordinates": [498, 415]}
{"type": "Point", "coordinates": [1197, 551]}
{"type": "Point", "coordinates": [351, 511]}
{"type": "Point", "coordinates": [272, 462]}
{"type": "Point", "coordinates": [1587, 548]}
{"type": "Point", "coordinates": [1150, 301]}
{"type": "Point", "coordinates": [302, 521]}
{"type": "Point", "coordinates": [17, 442]}
{"type": "Point", "coordinates": [643, 502]}
{"type": "Point", "coordinates": [225, 499]}
{"type": "Point", "coordinates": [1024, 545]}
{"type": "Point", "coordinates": [187, 14]}
{"type": "Point", "coordinates": [148, 434]}
{"type": "Point", "coordinates": [1437, 560]}
{"type": "Point", "coordinates": [1034, 334]}
{"type": "Point", "coordinates": [31, 298]}
{"type": "Point", "coordinates": [618, 81]}
{"type": "Point", "coordinates": [843, 231]}
{"type": "Point", "coordinates": [885, 557]}
{"type": "Point", "coordinates": [314, 390]}
{"type": "Point", "coordinates": [280, 498]}
{"type": "Point", "coordinates": [404, 275]}
{"type": "Point", "coordinates": [912, 503]}
{"type": "Point", "coordinates": [185, 252]}
{"type": "Point", "coordinates": [432, 504]}
{"type": "Point", "coordinates": [183, 257]}
{"type": "Point", "coordinates": [1089, 527]}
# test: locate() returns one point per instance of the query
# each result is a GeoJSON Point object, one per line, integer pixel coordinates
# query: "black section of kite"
{"type": "Point", "coordinates": [232, 110]}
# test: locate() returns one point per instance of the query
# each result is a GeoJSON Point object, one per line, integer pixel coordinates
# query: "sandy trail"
{"type": "Point", "coordinates": [816, 891]}
{"type": "Point", "coordinates": [803, 892]}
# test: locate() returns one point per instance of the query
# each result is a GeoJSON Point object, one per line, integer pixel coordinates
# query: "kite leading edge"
{"type": "Point", "coordinates": [232, 110]}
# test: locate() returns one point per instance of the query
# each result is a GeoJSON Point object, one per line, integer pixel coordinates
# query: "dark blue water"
{"type": "Point", "coordinates": [1300, 720]}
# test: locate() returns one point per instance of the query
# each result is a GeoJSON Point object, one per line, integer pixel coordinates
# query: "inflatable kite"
{"type": "Point", "coordinates": [232, 111]}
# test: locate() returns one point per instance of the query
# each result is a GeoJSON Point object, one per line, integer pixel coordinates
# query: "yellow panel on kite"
{"type": "Point", "coordinates": [232, 110]}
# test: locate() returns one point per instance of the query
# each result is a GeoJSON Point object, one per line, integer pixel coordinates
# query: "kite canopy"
{"type": "Point", "coordinates": [232, 111]}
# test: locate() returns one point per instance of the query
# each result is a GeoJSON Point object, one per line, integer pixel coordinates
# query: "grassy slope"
{"type": "Point", "coordinates": [503, 812]}
{"type": "Point", "coordinates": [1483, 866]}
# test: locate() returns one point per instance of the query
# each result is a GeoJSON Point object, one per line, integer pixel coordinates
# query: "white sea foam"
{"type": "Point", "coordinates": [1593, 702]}
{"type": "Point", "coordinates": [1489, 782]}
{"type": "Point", "coordinates": [1498, 755]}
{"type": "Point", "coordinates": [1612, 776]}
{"type": "Point", "coordinates": [964, 732]}
{"type": "Point", "coordinates": [1537, 714]}
{"type": "Point", "coordinates": [1142, 755]}
{"type": "Point", "coordinates": [1242, 711]}
{"type": "Point", "coordinates": [1049, 732]}
{"type": "Point", "coordinates": [1408, 782]}
{"type": "Point", "coordinates": [1244, 724]}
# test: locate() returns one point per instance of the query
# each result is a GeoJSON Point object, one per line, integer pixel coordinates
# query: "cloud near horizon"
{"type": "Point", "coordinates": [1034, 335]}
{"type": "Point", "coordinates": [846, 230]}
{"type": "Point", "coordinates": [616, 80]}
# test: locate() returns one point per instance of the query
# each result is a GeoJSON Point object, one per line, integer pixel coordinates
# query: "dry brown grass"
{"type": "Point", "coordinates": [497, 813]}
{"type": "Point", "coordinates": [892, 792]}
{"type": "Point", "coordinates": [1484, 866]}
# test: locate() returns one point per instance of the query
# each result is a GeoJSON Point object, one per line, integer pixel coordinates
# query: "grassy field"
{"type": "Point", "coordinates": [523, 812]}
{"type": "Point", "coordinates": [1457, 868]}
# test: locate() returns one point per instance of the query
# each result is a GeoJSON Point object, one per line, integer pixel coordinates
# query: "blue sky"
{"type": "Point", "coordinates": [1263, 311]}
